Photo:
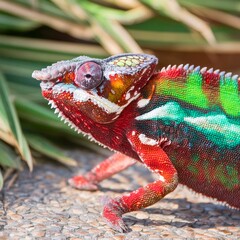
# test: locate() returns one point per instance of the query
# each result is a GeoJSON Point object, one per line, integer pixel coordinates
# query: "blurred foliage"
{"type": "Point", "coordinates": [35, 33]}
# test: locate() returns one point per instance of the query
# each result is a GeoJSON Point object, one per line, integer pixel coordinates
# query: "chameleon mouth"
{"type": "Point", "coordinates": [83, 96]}
{"type": "Point", "coordinates": [78, 95]}
{"type": "Point", "coordinates": [53, 91]}
{"type": "Point", "coordinates": [47, 85]}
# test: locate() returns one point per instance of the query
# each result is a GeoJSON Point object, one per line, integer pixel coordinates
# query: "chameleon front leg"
{"type": "Point", "coordinates": [114, 164]}
{"type": "Point", "coordinates": [151, 155]}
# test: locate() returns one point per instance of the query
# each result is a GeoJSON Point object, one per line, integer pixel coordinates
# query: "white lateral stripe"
{"type": "Point", "coordinates": [143, 102]}
{"type": "Point", "coordinates": [147, 141]}
{"type": "Point", "coordinates": [83, 96]}
{"type": "Point", "coordinates": [161, 178]}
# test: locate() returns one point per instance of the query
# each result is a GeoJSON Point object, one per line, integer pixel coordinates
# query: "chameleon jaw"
{"type": "Point", "coordinates": [47, 85]}
{"type": "Point", "coordinates": [80, 96]}
{"type": "Point", "coordinates": [108, 111]}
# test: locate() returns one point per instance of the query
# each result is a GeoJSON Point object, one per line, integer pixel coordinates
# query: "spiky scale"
{"type": "Point", "coordinates": [222, 73]}
{"type": "Point", "coordinates": [210, 70]}
{"type": "Point", "coordinates": [228, 75]}
{"type": "Point", "coordinates": [186, 67]}
{"type": "Point", "coordinates": [180, 66]}
{"type": "Point", "coordinates": [235, 77]}
{"type": "Point", "coordinates": [191, 68]}
{"type": "Point", "coordinates": [197, 69]}
{"type": "Point", "coordinates": [204, 69]}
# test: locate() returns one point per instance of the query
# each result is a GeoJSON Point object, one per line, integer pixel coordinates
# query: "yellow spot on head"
{"type": "Point", "coordinates": [118, 83]}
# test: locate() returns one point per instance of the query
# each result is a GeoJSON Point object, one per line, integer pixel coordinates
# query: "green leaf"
{"type": "Point", "coordinates": [230, 5]}
{"type": "Point", "coordinates": [8, 157]}
{"type": "Point", "coordinates": [9, 22]}
{"type": "Point", "coordinates": [49, 149]}
{"type": "Point", "coordinates": [35, 113]}
{"type": "Point", "coordinates": [8, 113]}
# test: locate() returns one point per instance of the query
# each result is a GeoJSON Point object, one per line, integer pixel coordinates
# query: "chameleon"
{"type": "Point", "coordinates": [181, 122]}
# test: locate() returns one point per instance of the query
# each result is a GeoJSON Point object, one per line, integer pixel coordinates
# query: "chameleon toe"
{"type": "Point", "coordinates": [82, 183]}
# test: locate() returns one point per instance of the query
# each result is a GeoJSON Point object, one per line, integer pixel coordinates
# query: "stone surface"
{"type": "Point", "coordinates": [40, 205]}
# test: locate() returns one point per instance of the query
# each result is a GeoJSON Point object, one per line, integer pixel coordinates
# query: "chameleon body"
{"type": "Point", "coordinates": [182, 123]}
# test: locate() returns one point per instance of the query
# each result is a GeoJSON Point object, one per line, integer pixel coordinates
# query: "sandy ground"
{"type": "Point", "coordinates": [40, 205]}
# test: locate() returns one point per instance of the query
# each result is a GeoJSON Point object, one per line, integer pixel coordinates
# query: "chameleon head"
{"type": "Point", "coordinates": [100, 89]}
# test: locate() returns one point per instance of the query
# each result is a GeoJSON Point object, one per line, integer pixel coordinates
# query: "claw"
{"type": "Point", "coordinates": [112, 213]}
{"type": "Point", "coordinates": [82, 183]}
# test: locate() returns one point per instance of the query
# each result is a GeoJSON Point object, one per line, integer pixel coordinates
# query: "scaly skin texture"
{"type": "Point", "coordinates": [182, 123]}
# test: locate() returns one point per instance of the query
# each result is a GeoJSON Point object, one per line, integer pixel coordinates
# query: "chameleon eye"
{"type": "Point", "coordinates": [89, 75]}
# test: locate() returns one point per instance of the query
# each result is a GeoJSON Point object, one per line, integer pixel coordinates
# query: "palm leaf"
{"type": "Point", "coordinates": [8, 157]}
{"type": "Point", "coordinates": [47, 148]}
{"type": "Point", "coordinates": [11, 121]}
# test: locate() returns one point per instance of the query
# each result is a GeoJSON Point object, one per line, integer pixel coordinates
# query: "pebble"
{"type": "Point", "coordinates": [236, 216]}
{"type": "Point", "coordinates": [136, 228]}
{"type": "Point", "coordinates": [119, 237]}
{"type": "Point", "coordinates": [43, 206]}
{"type": "Point", "coordinates": [15, 217]}
{"type": "Point", "coordinates": [142, 215]}
{"type": "Point", "coordinates": [38, 233]}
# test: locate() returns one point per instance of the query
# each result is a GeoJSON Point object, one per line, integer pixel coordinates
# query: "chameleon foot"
{"type": "Point", "coordinates": [112, 213]}
{"type": "Point", "coordinates": [82, 183]}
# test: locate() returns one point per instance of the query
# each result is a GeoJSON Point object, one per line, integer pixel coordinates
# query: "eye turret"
{"type": "Point", "coordinates": [89, 75]}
